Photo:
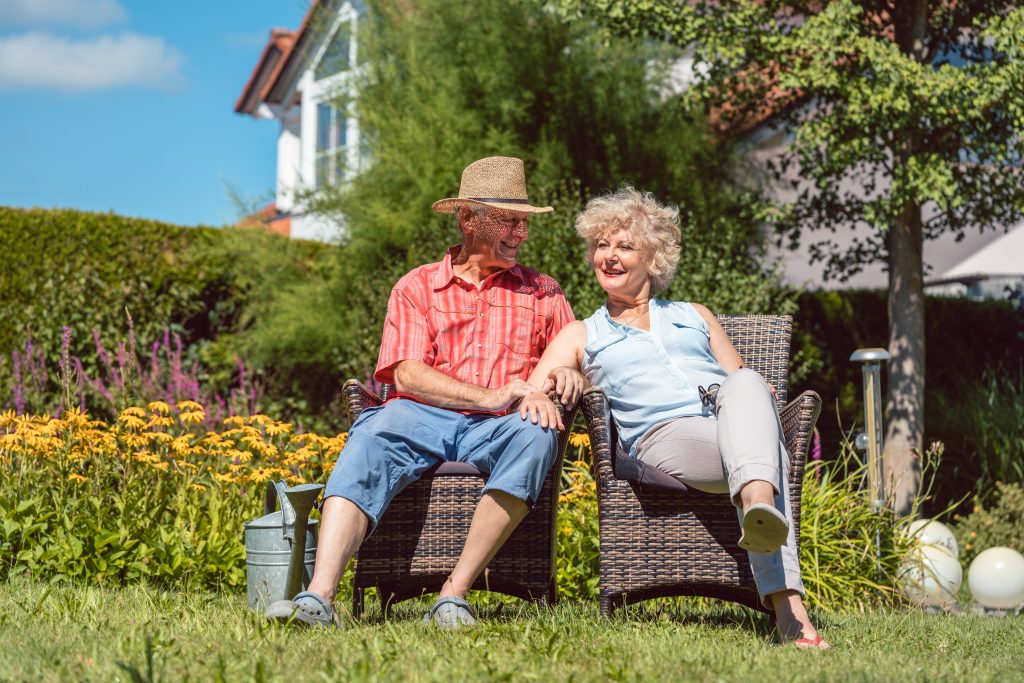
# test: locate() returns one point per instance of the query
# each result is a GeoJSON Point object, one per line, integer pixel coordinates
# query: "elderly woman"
{"type": "Point", "coordinates": [630, 345]}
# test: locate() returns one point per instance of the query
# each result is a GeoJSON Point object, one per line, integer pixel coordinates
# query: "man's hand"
{"type": "Point", "coordinates": [567, 382]}
{"type": "Point", "coordinates": [540, 410]}
{"type": "Point", "coordinates": [499, 400]}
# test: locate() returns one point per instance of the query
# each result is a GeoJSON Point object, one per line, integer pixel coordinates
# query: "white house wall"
{"type": "Point", "coordinates": [289, 160]}
{"type": "Point", "coordinates": [311, 226]}
{"type": "Point", "coordinates": [940, 254]}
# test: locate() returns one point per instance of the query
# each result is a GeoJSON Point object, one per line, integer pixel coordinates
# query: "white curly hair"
{"type": "Point", "coordinates": [653, 226]}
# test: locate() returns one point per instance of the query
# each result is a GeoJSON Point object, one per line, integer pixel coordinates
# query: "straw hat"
{"type": "Point", "coordinates": [498, 182]}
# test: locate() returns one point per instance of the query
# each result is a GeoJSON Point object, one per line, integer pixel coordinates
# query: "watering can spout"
{"type": "Point", "coordinates": [280, 545]}
{"type": "Point", "coordinates": [300, 501]}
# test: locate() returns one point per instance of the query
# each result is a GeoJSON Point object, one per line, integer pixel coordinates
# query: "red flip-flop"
{"type": "Point", "coordinates": [809, 643]}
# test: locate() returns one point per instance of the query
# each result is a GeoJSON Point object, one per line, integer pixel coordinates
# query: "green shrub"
{"type": "Point", "coordinates": [974, 398]}
{"type": "Point", "coordinates": [584, 115]}
{"type": "Point", "coordinates": [1000, 524]}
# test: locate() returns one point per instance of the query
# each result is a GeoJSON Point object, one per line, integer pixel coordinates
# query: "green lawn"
{"type": "Point", "coordinates": [81, 633]}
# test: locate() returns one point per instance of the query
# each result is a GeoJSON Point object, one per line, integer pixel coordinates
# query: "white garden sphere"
{"type": "Point", "coordinates": [931, 575]}
{"type": "Point", "coordinates": [996, 578]}
{"type": "Point", "coordinates": [930, 532]}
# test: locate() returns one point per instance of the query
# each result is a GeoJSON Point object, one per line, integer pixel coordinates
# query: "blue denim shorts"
{"type": "Point", "coordinates": [392, 445]}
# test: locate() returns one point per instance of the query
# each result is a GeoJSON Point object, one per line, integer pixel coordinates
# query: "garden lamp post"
{"type": "Point", "coordinates": [871, 361]}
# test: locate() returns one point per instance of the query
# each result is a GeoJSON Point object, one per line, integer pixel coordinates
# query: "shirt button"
{"type": "Point", "coordinates": [477, 374]}
{"type": "Point", "coordinates": [479, 345]}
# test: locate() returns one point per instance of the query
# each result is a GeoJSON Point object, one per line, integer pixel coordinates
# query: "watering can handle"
{"type": "Point", "coordinates": [275, 494]}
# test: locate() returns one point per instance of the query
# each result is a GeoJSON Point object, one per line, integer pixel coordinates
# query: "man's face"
{"type": "Point", "coordinates": [496, 236]}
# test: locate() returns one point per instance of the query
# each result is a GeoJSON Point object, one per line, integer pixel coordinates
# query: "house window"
{"type": "Point", "coordinates": [331, 139]}
{"type": "Point", "coordinates": [336, 56]}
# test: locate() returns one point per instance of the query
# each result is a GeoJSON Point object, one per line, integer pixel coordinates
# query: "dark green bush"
{"type": "Point", "coordinates": [998, 524]}
{"type": "Point", "coordinates": [973, 371]}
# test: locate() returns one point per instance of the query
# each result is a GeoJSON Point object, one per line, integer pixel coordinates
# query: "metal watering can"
{"type": "Point", "coordinates": [280, 547]}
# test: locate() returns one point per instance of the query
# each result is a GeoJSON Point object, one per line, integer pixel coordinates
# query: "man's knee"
{"type": "Point", "coordinates": [534, 438]}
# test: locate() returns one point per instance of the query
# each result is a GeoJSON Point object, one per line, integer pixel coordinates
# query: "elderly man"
{"type": "Point", "coordinates": [460, 339]}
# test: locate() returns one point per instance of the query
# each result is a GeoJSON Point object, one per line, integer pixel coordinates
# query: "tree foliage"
{"type": "Point", "coordinates": [444, 83]}
{"type": "Point", "coordinates": [904, 117]}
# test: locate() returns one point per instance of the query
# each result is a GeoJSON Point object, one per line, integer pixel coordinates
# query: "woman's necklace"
{"type": "Point", "coordinates": [625, 323]}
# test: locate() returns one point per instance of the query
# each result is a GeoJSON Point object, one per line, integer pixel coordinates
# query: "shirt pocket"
{"type": "Point", "coordinates": [621, 359]}
{"type": "Point", "coordinates": [684, 340]}
{"type": "Point", "coordinates": [452, 331]}
{"type": "Point", "coordinates": [519, 334]}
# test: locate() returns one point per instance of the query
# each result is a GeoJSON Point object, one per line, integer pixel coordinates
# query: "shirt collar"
{"type": "Point", "coordinates": [444, 275]}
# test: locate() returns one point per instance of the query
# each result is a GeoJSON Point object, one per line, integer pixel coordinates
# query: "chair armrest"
{"type": "Point", "coordinates": [798, 418]}
{"type": "Point", "coordinates": [358, 398]}
{"type": "Point", "coordinates": [598, 415]}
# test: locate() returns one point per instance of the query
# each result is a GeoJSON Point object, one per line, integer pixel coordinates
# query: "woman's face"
{"type": "Point", "coordinates": [621, 266]}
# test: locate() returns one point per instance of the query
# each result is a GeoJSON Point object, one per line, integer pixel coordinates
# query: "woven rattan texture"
{"type": "Point", "coordinates": [419, 538]}
{"type": "Point", "coordinates": [659, 543]}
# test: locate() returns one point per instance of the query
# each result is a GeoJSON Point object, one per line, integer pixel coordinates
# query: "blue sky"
{"type": "Point", "coordinates": [128, 105]}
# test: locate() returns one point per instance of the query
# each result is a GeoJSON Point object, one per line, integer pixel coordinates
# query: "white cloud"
{"type": "Point", "coordinates": [81, 13]}
{"type": "Point", "coordinates": [42, 60]}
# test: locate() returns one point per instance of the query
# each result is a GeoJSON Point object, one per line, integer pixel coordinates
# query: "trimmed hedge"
{"type": "Point", "coordinates": [85, 270]}
{"type": "Point", "coordinates": [969, 345]}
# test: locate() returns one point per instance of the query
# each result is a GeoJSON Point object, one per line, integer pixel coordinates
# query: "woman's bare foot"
{"type": "Point", "coordinates": [793, 623]}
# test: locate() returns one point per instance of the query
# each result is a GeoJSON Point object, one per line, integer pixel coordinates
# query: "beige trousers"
{"type": "Point", "coordinates": [722, 455]}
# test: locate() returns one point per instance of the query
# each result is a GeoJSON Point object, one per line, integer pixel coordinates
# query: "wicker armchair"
{"type": "Point", "coordinates": [420, 537]}
{"type": "Point", "coordinates": [660, 539]}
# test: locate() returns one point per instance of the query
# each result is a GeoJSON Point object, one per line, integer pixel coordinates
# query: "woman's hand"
{"type": "Point", "coordinates": [540, 410]}
{"type": "Point", "coordinates": [568, 383]}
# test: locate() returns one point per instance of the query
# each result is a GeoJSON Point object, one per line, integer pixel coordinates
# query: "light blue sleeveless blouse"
{"type": "Point", "coordinates": [651, 377]}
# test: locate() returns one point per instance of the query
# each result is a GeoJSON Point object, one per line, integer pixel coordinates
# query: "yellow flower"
{"type": "Point", "coordinates": [577, 439]}
{"type": "Point", "coordinates": [77, 478]}
{"type": "Point", "coordinates": [275, 428]}
{"type": "Point", "coordinates": [160, 421]}
{"type": "Point", "coordinates": [190, 406]}
{"type": "Point", "coordinates": [192, 417]}
{"type": "Point", "coordinates": [234, 421]}
{"type": "Point", "coordinates": [159, 407]}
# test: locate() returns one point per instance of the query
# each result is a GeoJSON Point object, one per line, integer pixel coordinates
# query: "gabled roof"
{"type": "Point", "coordinates": [278, 47]}
{"type": "Point", "coordinates": [281, 61]}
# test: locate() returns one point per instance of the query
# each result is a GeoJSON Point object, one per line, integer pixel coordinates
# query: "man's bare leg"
{"type": "Point", "coordinates": [496, 516]}
{"type": "Point", "coordinates": [342, 530]}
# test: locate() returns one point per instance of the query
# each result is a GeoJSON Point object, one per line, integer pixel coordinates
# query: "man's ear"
{"type": "Point", "coordinates": [466, 219]}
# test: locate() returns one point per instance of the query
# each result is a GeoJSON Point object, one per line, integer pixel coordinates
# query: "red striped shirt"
{"type": "Point", "coordinates": [487, 335]}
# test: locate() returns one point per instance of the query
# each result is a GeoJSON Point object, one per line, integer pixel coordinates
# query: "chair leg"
{"type": "Point", "coordinates": [607, 605]}
{"type": "Point", "coordinates": [552, 597]}
{"type": "Point", "coordinates": [357, 603]}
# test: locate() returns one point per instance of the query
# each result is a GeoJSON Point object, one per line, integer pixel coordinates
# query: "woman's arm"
{"type": "Point", "coordinates": [564, 351]}
{"type": "Point", "coordinates": [725, 353]}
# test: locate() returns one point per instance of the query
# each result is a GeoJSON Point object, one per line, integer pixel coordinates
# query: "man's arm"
{"type": "Point", "coordinates": [417, 379]}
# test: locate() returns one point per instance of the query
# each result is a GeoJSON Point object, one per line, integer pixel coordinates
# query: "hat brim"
{"type": "Point", "coordinates": [451, 204]}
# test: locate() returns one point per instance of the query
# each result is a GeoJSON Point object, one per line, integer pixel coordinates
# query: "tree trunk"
{"type": "Point", "coordinates": [904, 407]}
{"type": "Point", "coordinates": [904, 434]}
